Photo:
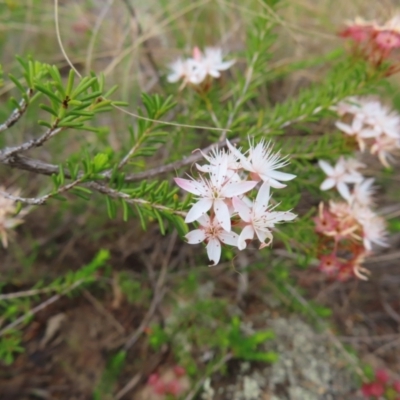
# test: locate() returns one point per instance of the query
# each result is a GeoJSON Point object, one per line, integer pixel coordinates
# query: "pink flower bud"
{"type": "Point", "coordinates": [173, 388]}
{"type": "Point", "coordinates": [396, 386]}
{"type": "Point", "coordinates": [160, 387]}
{"type": "Point", "coordinates": [153, 379]}
{"type": "Point", "coordinates": [179, 371]}
{"type": "Point", "coordinates": [382, 376]}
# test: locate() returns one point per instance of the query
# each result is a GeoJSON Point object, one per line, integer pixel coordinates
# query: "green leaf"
{"type": "Point", "coordinates": [111, 209]}
{"type": "Point", "coordinates": [47, 92]}
{"type": "Point", "coordinates": [70, 83]}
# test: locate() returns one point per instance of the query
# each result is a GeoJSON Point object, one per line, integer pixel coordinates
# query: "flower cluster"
{"type": "Point", "coordinates": [8, 221]}
{"type": "Point", "coordinates": [381, 386]}
{"type": "Point", "coordinates": [374, 126]}
{"type": "Point", "coordinates": [373, 41]}
{"type": "Point", "coordinates": [199, 70]}
{"type": "Point", "coordinates": [160, 386]}
{"type": "Point", "coordinates": [222, 205]}
{"type": "Point", "coordinates": [349, 227]}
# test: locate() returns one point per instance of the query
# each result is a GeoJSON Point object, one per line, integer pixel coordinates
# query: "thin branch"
{"type": "Point", "coordinates": [25, 293]}
{"type": "Point", "coordinates": [37, 201]}
{"type": "Point", "coordinates": [163, 169]}
{"type": "Point", "coordinates": [10, 151]}
{"type": "Point", "coordinates": [38, 308]}
{"type": "Point", "coordinates": [120, 195]}
{"type": "Point", "coordinates": [16, 114]}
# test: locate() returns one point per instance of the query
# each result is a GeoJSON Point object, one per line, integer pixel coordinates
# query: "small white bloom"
{"type": "Point", "coordinates": [259, 220]}
{"type": "Point", "coordinates": [196, 69]}
{"type": "Point", "coordinates": [338, 177]}
{"type": "Point", "coordinates": [374, 227]}
{"type": "Point", "coordinates": [383, 147]}
{"type": "Point", "coordinates": [213, 233]}
{"type": "Point", "coordinates": [362, 193]}
{"type": "Point", "coordinates": [213, 193]}
{"type": "Point", "coordinates": [348, 106]}
{"type": "Point", "coordinates": [262, 163]}
{"type": "Point", "coordinates": [217, 157]}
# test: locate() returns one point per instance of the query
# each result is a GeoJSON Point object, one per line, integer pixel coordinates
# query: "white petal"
{"type": "Point", "coordinates": [196, 236]}
{"type": "Point", "coordinates": [214, 251]}
{"type": "Point", "coordinates": [222, 214]}
{"type": "Point", "coordinates": [218, 173]}
{"type": "Point", "coordinates": [225, 65]}
{"type": "Point", "coordinates": [214, 73]}
{"type": "Point", "coordinates": [189, 186]}
{"type": "Point", "coordinates": [236, 189]}
{"type": "Point", "coordinates": [204, 168]}
{"type": "Point", "coordinates": [204, 220]}
{"type": "Point", "coordinates": [262, 235]}
{"type": "Point", "coordinates": [327, 184]}
{"type": "Point", "coordinates": [235, 151]}
{"type": "Point", "coordinates": [242, 208]}
{"type": "Point", "coordinates": [246, 234]}
{"type": "Point", "coordinates": [262, 200]}
{"type": "Point", "coordinates": [345, 128]}
{"type": "Point", "coordinates": [281, 176]}
{"type": "Point", "coordinates": [326, 167]}
{"type": "Point", "coordinates": [343, 190]}
{"type": "Point", "coordinates": [275, 217]}
{"type": "Point", "coordinates": [272, 182]}
{"type": "Point", "coordinates": [230, 238]}
{"type": "Point", "coordinates": [198, 209]}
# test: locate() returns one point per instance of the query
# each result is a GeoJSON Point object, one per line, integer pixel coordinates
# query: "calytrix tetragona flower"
{"type": "Point", "coordinates": [262, 163]}
{"type": "Point", "coordinates": [212, 194]}
{"type": "Point", "coordinates": [223, 204]}
{"type": "Point", "coordinates": [258, 219]}
{"type": "Point", "coordinates": [213, 233]}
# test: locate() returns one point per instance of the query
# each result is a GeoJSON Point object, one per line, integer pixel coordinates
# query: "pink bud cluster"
{"type": "Point", "coordinates": [223, 211]}
{"type": "Point", "coordinates": [173, 382]}
{"type": "Point", "coordinates": [381, 387]}
{"type": "Point", "coordinates": [375, 42]}
{"type": "Point", "coordinates": [373, 126]}
{"type": "Point", "coordinates": [348, 228]}
{"type": "Point", "coordinates": [199, 70]}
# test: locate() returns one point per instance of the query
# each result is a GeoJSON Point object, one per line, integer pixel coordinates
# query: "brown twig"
{"type": "Point", "coordinates": [37, 201]}
{"type": "Point", "coordinates": [39, 167]}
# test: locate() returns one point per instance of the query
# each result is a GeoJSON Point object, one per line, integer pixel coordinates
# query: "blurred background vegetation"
{"type": "Point", "coordinates": [104, 340]}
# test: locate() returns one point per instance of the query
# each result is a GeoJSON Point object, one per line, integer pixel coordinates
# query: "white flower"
{"type": "Point", "coordinates": [348, 106]}
{"type": "Point", "coordinates": [362, 193]}
{"type": "Point", "coordinates": [196, 69]}
{"type": "Point", "coordinates": [210, 63]}
{"type": "Point", "coordinates": [338, 176]}
{"type": "Point", "coordinates": [213, 192]}
{"type": "Point", "coordinates": [374, 227]}
{"type": "Point", "coordinates": [212, 232]}
{"type": "Point", "coordinates": [383, 147]}
{"type": "Point", "coordinates": [218, 157]}
{"type": "Point", "coordinates": [352, 129]}
{"type": "Point", "coordinates": [258, 218]}
{"type": "Point", "coordinates": [185, 70]}
{"type": "Point", "coordinates": [262, 163]}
